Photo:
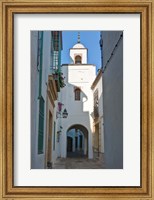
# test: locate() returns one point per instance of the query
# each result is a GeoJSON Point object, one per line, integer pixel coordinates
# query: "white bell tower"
{"type": "Point", "coordinates": [77, 98]}
{"type": "Point", "coordinates": [78, 53]}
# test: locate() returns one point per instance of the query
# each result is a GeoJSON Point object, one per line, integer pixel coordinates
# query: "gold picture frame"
{"type": "Point", "coordinates": [10, 7]}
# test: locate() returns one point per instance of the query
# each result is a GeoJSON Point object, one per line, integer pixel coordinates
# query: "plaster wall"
{"type": "Point", "coordinates": [46, 61]}
{"type": "Point", "coordinates": [34, 97]}
{"type": "Point", "coordinates": [58, 130]}
{"type": "Point", "coordinates": [38, 160]}
{"type": "Point", "coordinates": [79, 112]}
{"type": "Point", "coordinates": [55, 147]}
{"type": "Point", "coordinates": [57, 152]}
{"type": "Point", "coordinates": [99, 87]}
{"type": "Point", "coordinates": [110, 39]}
{"type": "Point", "coordinates": [113, 101]}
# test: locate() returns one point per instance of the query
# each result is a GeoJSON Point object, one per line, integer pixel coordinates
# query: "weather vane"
{"type": "Point", "coordinates": [78, 37]}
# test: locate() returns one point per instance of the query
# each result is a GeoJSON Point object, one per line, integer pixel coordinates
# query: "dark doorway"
{"type": "Point", "coordinates": [76, 142]}
{"type": "Point", "coordinates": [80, 141]}
{"type": "Point", "coordinates": [69, 144]}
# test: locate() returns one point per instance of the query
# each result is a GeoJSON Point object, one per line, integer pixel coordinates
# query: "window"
{"type": "Point", "coordinates": [41, 125]}
{"type": "Point", "coordinates": [55, 59]}
{"type": "Point", "coordinates": [56, 50]}
{"type": "Point", "coordinates": [77, 94]}
{"type": "Point", "coordinates": [96, 110]}
{"type": "Point", "coordinates": [78, 59]}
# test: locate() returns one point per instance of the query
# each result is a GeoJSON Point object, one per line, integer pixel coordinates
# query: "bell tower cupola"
{"type": "Point", "coordinates": [78, 53]}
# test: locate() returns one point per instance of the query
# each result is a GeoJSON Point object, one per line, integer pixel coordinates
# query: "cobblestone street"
{"type": "Point", "coordinates": [78, 163]}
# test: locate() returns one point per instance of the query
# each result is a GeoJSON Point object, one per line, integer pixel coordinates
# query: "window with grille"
{"type": "Point", "coordinates": [55, 59]}
{"type": "Point", "coordinates": [96, 111]}
{"type": "Point", "coordinates": [56, 52]}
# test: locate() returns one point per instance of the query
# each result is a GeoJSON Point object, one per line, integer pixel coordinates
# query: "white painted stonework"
{"type": "Point", "coordinates": [79, 112]}
{"type": "Point", "coordinates": [98, 86]}
{"type": "Point", "coordinates": [78, 49]}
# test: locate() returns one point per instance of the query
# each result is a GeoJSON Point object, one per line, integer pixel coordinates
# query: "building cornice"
{"type": "Point", "coordinates": [78, 48]}
{"type": "Point", "coordinates": [99, 75]}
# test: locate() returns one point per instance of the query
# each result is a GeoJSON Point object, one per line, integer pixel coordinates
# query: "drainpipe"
{"type": "Point", "coordinates": [40, 70]}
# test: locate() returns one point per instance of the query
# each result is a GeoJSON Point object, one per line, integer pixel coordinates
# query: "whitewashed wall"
{"type": "Point", "coordinates": [38, 160]}
{"type": "Point", "coordinates": [79, 112]}
{"type": "Point", "coordinates": [113, 100]}
{"type": "Point", "coordinates": [34, 98]}
{"type": "Point", "coordinates": [99, 87]}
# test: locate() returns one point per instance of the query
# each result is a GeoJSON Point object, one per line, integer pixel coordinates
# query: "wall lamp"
{"type": "Point", "coordinates": [64, 114]}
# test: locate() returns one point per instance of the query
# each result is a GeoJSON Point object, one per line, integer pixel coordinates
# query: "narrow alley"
{"type": "Point", "coordinates": [76, 100]}
{"type": "Point", "coordinates": [78, 163]}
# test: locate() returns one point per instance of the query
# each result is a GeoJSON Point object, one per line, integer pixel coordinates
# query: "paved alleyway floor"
{"type": "Point", "coordinates": [78, 163]}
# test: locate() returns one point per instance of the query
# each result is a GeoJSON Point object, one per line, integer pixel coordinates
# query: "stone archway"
{"type": "Point", "coordinates": [79, 135]}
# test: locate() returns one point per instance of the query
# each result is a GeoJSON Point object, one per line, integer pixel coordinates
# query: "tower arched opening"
{"type": "Point", "coordinates": [78, 59]}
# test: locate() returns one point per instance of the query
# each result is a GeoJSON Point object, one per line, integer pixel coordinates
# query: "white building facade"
{"type": "Point", "coordinates": [98, 118]}
{"type": "Point", "coordinates": [77, 98]}
{"type": "Point", "coordinates": [67, 118]}
{"type": "Point", "coordinates": [112, 54]}
{"type": "Point", "coordinates": [44, 94]}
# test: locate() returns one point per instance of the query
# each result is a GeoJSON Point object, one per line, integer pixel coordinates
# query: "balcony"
{"type": "Point", "coordinates": [59, 79]}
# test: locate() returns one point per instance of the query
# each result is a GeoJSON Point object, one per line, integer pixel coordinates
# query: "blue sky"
{"type": "Point", "coordinates": [90, 39]}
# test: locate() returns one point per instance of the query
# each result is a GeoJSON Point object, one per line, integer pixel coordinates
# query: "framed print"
{"type": "Point", "coordinates": [76, 99]}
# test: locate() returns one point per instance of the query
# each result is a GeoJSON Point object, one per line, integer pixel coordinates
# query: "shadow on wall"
{"type": "Point", "coordinates": [113, 103]}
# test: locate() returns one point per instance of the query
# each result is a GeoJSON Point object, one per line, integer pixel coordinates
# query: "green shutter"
{"type": "Point", "coordinates": [41, 125]}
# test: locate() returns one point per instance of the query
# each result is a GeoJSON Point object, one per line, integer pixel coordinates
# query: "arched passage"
{"type": "Point", "coordinates": [79, 137]}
